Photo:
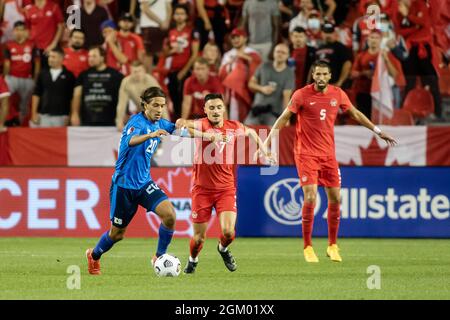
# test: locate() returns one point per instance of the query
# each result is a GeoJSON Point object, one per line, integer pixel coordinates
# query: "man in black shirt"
{"type": "Point", "coordinates": [53, 93]}
{"type": "Point", "coordinates": [96, 92]}
{"type": "Point", "coordinates": [338, 56]}
{"type": "Point", "coordinates": [92, 17]}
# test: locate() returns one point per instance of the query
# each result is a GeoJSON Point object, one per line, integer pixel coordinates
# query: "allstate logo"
{"type": "Point", "coordinates": [283, 201]}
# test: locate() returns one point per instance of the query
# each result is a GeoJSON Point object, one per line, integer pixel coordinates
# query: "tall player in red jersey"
{"type": "Point", "coordinates": [316, 107]}
{"type": "Point", "coordinates": [215, 177]}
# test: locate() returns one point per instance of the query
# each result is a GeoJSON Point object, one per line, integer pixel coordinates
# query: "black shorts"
{"type": "Point", "coordinates": [124, 202]}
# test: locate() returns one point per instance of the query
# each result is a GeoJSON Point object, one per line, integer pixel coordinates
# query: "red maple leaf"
{"type": "Point", "coordinates": [373, 155]}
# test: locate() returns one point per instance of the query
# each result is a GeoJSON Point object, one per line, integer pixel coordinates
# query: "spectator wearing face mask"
{"type": "Point", "coordinates": [301, 19]}
{"type": "Point", "coordinates": [313, 29]}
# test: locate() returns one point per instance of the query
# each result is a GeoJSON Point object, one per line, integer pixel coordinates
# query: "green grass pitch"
{"type": "Point", "coordinates": [268, 268]}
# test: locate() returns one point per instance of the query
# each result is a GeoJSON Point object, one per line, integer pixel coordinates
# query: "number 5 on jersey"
{"type": "Point", "coordinates": [323, 114]}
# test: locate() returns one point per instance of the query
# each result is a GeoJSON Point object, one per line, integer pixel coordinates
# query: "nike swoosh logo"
{"type": "Point", "coordinates": [312, 103]}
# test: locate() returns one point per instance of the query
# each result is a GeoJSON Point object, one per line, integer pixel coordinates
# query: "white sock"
{"type": "Point", "coordinates": [192, 259]}
{"type": "Point", "coordinates": [222, 248]}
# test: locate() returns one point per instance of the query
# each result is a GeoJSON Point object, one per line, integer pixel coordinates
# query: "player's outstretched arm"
{"type": "Point", "coordinates": [281, 122]}
{"type": "Point", "coordinates": [261, 149]}
{"type": "Point", "coordinates": [136, 140]}
{"type": "Point", "coordinates": [364, 121]}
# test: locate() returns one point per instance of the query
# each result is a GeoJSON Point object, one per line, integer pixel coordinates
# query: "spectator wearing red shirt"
{"type": "Point", "coordinates": [181, 50]}
{"type": "Point", "coordinates": [196, 87]}
{"type": "Point", "coordinates": [412, 21]}
{"type": "Point", "coordinates": [302, 56]}
{"type": "Point", "coordinates": [75, 57]}
{"type": "Point", "coordinates": [46, 24]}
{"type": "Point", "coordinates": [21, 57]}
{"type": "Point", "coordinates": [122, 47]}
{"type": "Point", "coordinates": [364, 67]}
{"type": "Point", "coordinates": [4, 98]}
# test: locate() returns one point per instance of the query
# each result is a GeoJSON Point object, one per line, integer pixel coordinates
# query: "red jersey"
{"type": "Point", "coordinates": [316, 114]}
{"type": "Point", "coordinates": [214, 163]}
{"type": "Point", "coordinates": [21, 57]}
{"type": "Point", "coordinates": [76, 61]}
{"type": "Point", "coordinates": [130, 45]}
{"type": "Point", "coordinates": [182, 40]}
{"type": "Point", "coordinates": [4, 90]}
{"type": "Point", "coordinates": [43, 23]}
{"type": "Point", "coordinates": [364, 61]}
{"type": "Point", "coordinates": [198, 91]}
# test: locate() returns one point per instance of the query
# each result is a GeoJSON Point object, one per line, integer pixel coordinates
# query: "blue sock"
{"type": "Point", "coordinates": [165, 236]}
{"type": "Point", "coordinates": [104, 244]}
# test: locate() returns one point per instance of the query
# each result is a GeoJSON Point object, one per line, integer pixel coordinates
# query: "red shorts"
{"type": "Point", "coordinates": [203, 200]}
{"type": "Point", "coordinates": [323, 171]}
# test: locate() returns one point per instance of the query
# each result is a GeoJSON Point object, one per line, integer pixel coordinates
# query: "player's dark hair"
{"type": "Point", "coordinates": [19, 23]}
{"type": "Point", "coordinates": [76, 30]}
{"type": "Point", "coordinates": [212, 96]}
{"type": "Point", "coordinates": [150, 93]}
{"type": "Point", "coordinates": [321, 64]}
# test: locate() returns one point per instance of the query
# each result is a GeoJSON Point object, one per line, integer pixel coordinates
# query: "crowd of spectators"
{"type": "Point", "coordinates": [86, 62]}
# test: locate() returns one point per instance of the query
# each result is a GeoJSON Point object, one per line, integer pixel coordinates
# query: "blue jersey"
{"type": "Point", "coordinates": [133, 164]}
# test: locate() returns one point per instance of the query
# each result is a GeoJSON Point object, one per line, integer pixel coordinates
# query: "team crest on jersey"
{"type": "Point", "coordinates": [194, 214]}
{"type": "Point", "coordinates": [333, 102]}
{"type": "Point", "coordinates": [130, 130]}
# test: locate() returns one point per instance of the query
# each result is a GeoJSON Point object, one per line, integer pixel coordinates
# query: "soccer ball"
{"type": "Point", "coordinates": [167, 266]}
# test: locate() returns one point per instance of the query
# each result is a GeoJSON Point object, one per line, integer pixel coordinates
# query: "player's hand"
{"type": "Point", "coordinates": [75, 120]}
{"type": "Point", "coordinates": [269, 157]}
{"type": "Point", "coordinates": [35, 118]}
{"type": "Point", "coordinates": [216, 137]}
{"type": "Point", "coordinates": [180, 123]}
{"type": "Point", "coordinates": [267, 90]}
{"type": "Point", "coordinates": [159, 133]}
{"type": "Point", "coordinates": [389, 140]}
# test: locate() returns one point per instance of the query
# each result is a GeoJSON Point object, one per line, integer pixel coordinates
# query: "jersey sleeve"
{"type": "Point", "coordinates": [345, 104]}
{"type": "Point", "coordinates": [167, 125]}
{"type": "Point", "coordinates": [296, 101]}
{"type": "Point", "coordinates": [131, 129]}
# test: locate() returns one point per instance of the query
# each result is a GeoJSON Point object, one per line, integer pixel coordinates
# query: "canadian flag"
{"type": "Point", "coordinates": [382, 97]}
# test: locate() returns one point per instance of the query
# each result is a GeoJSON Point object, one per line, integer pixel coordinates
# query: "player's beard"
{"type": "Point", "coordinates": [321, 86]}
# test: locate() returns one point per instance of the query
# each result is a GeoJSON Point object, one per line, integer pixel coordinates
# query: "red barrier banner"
{"type": "Point", "coordinates": [74, 202]}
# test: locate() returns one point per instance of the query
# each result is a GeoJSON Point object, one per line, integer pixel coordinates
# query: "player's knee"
{"type": "Point", "coordinates": [310, 197]}
{"type": "Point", "coordinates": [169, 220]}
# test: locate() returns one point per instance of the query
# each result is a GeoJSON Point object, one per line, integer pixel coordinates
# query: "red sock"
{"type": "Point", "coordinates": [334, 212]}
{"type": "Point", "coordinates": [307, 222]}
{"type": "Point", "coordinates": [225, 242]}
{"type": "Point", "coordinates": [195, 248]}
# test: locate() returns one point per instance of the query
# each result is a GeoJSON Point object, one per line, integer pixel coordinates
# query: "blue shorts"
{"type": "Point", "coordinates": [124, 202]}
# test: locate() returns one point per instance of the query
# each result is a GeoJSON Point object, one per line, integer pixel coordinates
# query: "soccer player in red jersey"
{"type": "Point", "coordinates": [316, 107]}
{"type": "Point", "coordinates": [215, 178]}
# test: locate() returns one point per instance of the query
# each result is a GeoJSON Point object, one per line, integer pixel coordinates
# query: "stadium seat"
{"type": "Point", "coordinates": [444, 82]}
{"type": "Point", "coordinates": [400, 118]}
{"type": "Point", "coordinates": [419, 102]}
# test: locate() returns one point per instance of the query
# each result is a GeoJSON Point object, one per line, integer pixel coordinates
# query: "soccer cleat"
{"type": "Point", "coordinates": [190, 267]}
{"type": "Point", "coordinates": [93, 265]}
{"type": "Point", "coordinates": [228, 259]}
{"type": "Point", "coordinates": [333, 253]}
{"type": "Point", "coordinates": [310, 255]}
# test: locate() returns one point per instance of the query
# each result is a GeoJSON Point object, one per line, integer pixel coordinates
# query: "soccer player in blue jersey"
{"type": "Point", "coordinates": [132, 184]}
